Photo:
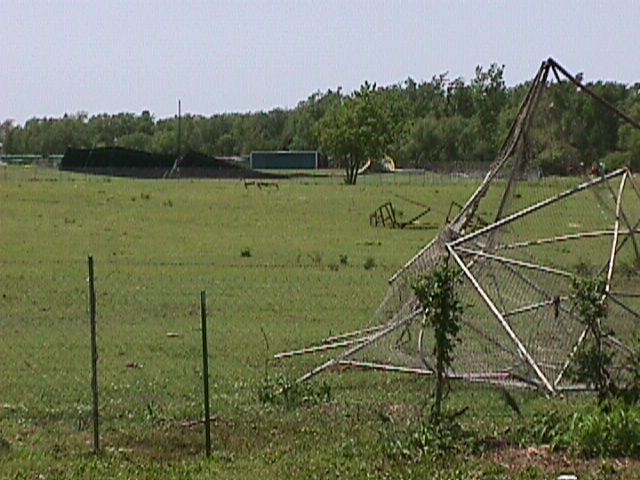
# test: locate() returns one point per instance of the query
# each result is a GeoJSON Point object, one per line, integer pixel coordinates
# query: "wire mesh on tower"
{"type": "Point", "coordinates": [519, 242]}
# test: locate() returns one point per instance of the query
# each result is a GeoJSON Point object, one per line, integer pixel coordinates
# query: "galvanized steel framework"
{"type": "Point", "coordinates": [521, 317]}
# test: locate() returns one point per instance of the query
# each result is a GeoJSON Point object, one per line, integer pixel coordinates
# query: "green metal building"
{"type": "Point", "coordinates": [287, 160]}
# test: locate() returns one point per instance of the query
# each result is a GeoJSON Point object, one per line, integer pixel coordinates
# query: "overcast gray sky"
{"type": "Point", "coordinates": [217, 56]}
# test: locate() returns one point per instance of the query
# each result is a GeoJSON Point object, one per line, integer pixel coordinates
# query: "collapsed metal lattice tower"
{"type": "Point", "coordinates": [517, 272]}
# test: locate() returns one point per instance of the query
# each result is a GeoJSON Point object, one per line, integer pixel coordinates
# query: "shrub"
{"type": "Point", "coordinates": [245, 252]}
{"type": "Point", "coordinates": [369, 263]}
{"type": "Point", "coordinates": [442, 310]}
{"type": "Point", "coordinates": [592, 362]}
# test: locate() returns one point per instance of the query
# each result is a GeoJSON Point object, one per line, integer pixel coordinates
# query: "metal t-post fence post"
{"type": "Point", "coordinates": [94, 359]}
{"type": "Point", "coordinates": [205, 371]}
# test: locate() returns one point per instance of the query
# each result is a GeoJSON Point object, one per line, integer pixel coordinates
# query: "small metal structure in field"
{"type": "Point", "coordinates": [521, 326]}
{"type": "Point", "coordinates": [385, 216]}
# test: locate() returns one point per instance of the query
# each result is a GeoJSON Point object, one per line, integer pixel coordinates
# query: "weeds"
{"type": "Point", "coordinates": [369, 263]}
{"type": "Point", "coordinates": [630, 393]}
{"type": "Point", "coordinates": [373, 243]}
{"type": "Point", "coordinates": [630, 269]}
{"type": "Point", "coordinates": [316, 258]}
{"type": "Point", "coordinates": [598, 433]}
{"type": "Point", "coordinates": [543, 429]}
{"type": "Point", "coordinates": [425, 440]}
{"type": "Point", "coordinates": [5, 446]}
{"type": "Point", "coordinates": [283, 392]}
{"type": "Point", "coordinates": [591, 433]}
{"type": "Point", "coordinates": [583, 268]}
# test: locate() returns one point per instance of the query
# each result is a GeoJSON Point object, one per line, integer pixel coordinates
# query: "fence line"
{"type": "Point", "coordinates": [436, 176]}
{"type": "Point", "coordinates": [146, 362]}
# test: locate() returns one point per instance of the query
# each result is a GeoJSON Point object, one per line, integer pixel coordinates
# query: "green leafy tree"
{"type": "Point", "coordinates": [136, 141]}
{"type": "Point", "coordinates": [424, 142]}
{"type": "Point", "coordinates": [490, 97]}
{"type": "Point", "coordinates": [442, 307]}
{"type": "Point", "coordinates": [416, 122]}
{"type": "Point", "coordinates": [628, 152]}
{"type": "Point", "coordinates": [592, 361]}
{"type": "Point", "coordinates": [10, 137]}
{"type": "Point", "coordinates": [445, 139]}
{"type": "Point", "coordinates": [359, 129]}
{"type": "Point", "coordinates": [428, 97]}
{"type": "Point", "coordinates": [300, 132]}
{"type": "Point", "coordinates": [460, 99]}
{"type": "Point", "coordinates": [165, 137]}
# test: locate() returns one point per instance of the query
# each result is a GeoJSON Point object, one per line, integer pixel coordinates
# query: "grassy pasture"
{"type": "Point", "coordinates": [270, 261]}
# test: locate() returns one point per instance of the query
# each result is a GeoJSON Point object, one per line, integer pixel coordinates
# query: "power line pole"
{"type": "Point", "coordinates": [179, 140]}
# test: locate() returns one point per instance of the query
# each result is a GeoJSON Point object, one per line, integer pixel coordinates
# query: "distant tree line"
{"type": "Point", "coordinates": [441, 120]}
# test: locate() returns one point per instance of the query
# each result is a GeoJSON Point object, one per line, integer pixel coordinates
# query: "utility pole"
{"type": "Point", "coordinates": [179, 129]}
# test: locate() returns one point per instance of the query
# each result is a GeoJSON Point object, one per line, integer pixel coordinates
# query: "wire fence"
{"type": "Point", "coordinates": [149, 339]}
{"type": "Point", "coordinates": [433, 175]}
{"type": "Point", "coordinates": [149, 335]}
{"type": "Point", "coordinates": [150, 367]}
{"type": "Point", "coordinates": [150, 374]}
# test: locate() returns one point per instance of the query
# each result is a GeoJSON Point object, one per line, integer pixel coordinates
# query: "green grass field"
{"type": "Point", "coordinates": [282, 268]}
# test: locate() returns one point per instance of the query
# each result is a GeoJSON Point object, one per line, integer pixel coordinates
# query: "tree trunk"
{"type": "Point", "coordinates": [436, 408]}
{"type": "Point", "coordinates": [352, 172]}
